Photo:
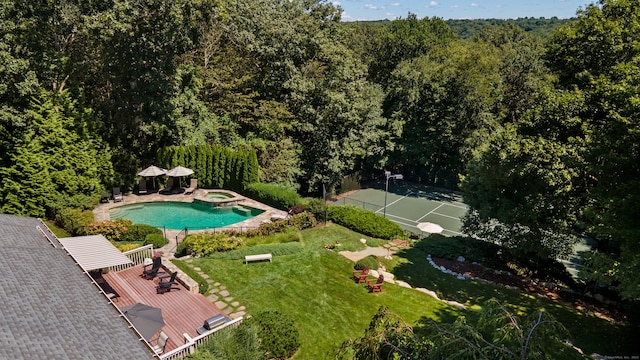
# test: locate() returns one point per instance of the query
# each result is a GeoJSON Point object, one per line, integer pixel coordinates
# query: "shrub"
{"type": "Point", "coordinates": [157, 240]}
{"type": "Point", "coordinates": [317, 207]}
{"type": "Point", "coordinates": [297, 209]}
{"type": "Point", "coordinates": [364, 222]}
{"type": "Point", "coordinates": [77, 201]}
{"type": "Point", "coordinates": [279, 338]}
{"type": "Point", "coordinates": [139, 232]}
{"type": "Point", "coordinates": [370, 261]}
{"type": "Point", "coordinates": [125, 246]}
{"type": "Point", "coordinates": [111, 229]}
{"type": "Point", "coordinates": [300, 221]}
{"type": "Point", "coordinates": [241, 342]}
{"type": "Point", "coordinates": [74, 220]}
{"type": "Point", "coordinates": [278, 196]}
{"type": "Point", "coordinates": [204, 244]}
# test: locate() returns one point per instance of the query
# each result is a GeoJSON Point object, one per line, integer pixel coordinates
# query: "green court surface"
{"type": "Point", "coordinates": [408, 206]}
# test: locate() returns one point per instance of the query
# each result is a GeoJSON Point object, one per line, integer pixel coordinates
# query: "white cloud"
{"type": "Point", "coordinates": [370, 7]}
{"type": "Point", "coordinates": [433, 4]}
{"type": "Point", "coordinates": [394, 4]}
{"type": "Point", "coordinates": [475, 4]}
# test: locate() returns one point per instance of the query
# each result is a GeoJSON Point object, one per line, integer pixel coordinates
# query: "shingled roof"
{"type": "Point", "coordinates": [50, 308]}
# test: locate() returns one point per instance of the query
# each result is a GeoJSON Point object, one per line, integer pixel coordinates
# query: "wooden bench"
{"type": "Point", "coordinates": [258, 257]}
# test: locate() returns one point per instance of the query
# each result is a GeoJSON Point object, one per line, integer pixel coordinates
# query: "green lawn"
{"type": "Point", "coordinates": [315, 288]}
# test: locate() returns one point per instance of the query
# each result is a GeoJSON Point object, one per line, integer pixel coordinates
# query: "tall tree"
{"type": "Point", "coordinates": [441, 100]}
{"type": "Point", "coordinates": [56, 158]}
{"type": "Point", "coordinates": [599, 55]}
{"type": "Point", "coordinates": [298, 49]}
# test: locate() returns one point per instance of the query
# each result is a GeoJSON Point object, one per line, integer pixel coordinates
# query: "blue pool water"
{"type": "Point", "coordinates": [178, 215]}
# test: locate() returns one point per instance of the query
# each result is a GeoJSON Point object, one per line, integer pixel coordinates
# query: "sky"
{"type": "Point", "coordinates": [354, 10]}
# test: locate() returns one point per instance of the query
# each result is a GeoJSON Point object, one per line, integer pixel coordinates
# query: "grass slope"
{"type": "Point", "coordinates": [315, 288]}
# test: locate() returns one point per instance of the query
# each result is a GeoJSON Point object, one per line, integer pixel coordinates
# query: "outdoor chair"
{"type": "Point", "coordinates": [168, 187]}
{"type": "Point", "coordinates": [142, 187]}
{"type": "Point", "coordinates": [377, 285]}
{"type": "Point", "coordinates": [151, 271]}
{"type": "Point", "coordinates": [166, 283]}
{"type": "Point", "coordinates": [117, 194]}
{"type": "Point", "coordinates": [192, 187]}
{"type": "Point", "coordinates": [162, 343]}
{"type": "Point", "coordinates": [360, 276]}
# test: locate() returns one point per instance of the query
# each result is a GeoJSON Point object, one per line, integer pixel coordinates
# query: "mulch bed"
{"type": "Point", "coordinates": [579, 302]}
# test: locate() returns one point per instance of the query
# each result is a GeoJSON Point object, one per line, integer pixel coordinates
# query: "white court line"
{"type": "Point", "coordinates": [391, 203]}
{"type": "Point", "coordinates": [458, 206]}
{"type": "Point", "coordinates": [443, 203]}
{"type": "Point", "coordinates": [449, 216]}
{"type": "Point", "coordinates": [427, 214]}
{"type": "Point", "coordinates": [414, 221]}
{"type": "Point", "coordinates": [445, 230]}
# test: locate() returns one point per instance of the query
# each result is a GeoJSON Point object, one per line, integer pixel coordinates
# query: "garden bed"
{"type": "Point", "coordinates": [544, 289]}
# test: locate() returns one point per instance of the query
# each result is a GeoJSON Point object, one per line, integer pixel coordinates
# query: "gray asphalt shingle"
{"type": "Point", "coordinates": [50, 308]}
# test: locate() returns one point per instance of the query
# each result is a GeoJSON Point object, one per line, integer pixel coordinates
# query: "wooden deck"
{"type": "Point", "coordinates": [183, 311]}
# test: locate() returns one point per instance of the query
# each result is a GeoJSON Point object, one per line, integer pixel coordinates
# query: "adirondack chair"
{"type": "Point", "coordinates": [166, 283]}
{"type": "Point", "coordinates": [376, 285]}
{"type": "Point", "coordinates": [360, 276]}
{"type": "Point", "coordinates": [150, 271]}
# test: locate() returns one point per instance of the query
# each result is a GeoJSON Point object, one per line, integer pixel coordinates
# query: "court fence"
{"type": "Point", "coordinates": [359, 203]}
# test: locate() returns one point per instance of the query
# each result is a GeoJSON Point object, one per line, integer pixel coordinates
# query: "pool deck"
{"type": "Point", "coordinates": [101, 212]}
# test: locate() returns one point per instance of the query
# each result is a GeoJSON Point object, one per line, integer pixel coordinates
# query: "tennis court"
{"type": "Point", "coordinates": [410, 205]}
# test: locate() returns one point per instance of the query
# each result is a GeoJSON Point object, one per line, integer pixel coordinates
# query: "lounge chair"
{"type": "Point", "coordinates": [192, 187]}
{"type": "Point", "coordinates": [377, 285]}
{"type": "Point", "coordinates": [162, 343]}
{"type": "Point", "coordinates": [360, 276]}
{"type": "Point", "coordinates": [151, 271]}
{"type": "Point", "coordinates": [142, 186]}
{"type": "Point", "coordinates": [168, 187]}
{"type": "Point", "coordinates": [117, 194]}
{"type": "Point", "coordinates": [166, 283]}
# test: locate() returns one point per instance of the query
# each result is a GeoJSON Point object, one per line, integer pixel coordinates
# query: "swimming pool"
{"type": "Point", "coordinates": [180, 215]}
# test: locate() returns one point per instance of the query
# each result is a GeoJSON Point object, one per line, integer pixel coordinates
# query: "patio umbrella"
{"type": "Point", "coordinates": [147, 319]}
{"type": "Point", "coordinates": [430, 227]}
{"type": "Point", "coordinates": [152, 171]}
{"type": "Point", "coordinates": [179, 172]}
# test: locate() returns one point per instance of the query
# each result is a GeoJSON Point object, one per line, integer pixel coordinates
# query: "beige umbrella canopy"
{"type": "Point", "coordinates": [152, 171]}
{"type": "Point", "coordinates": [430, 227]}
{"type": "Point", "coordinates": [179, 172]}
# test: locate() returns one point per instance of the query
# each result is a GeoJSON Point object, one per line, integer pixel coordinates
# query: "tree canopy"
{"type": "Point", "coordinates": [540, 132]}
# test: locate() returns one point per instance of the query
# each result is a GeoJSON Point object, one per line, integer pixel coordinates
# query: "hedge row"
{"type": "Point", "coordinates": [364, 221]}
{"type": "Point", "coordinates": [277, 196]}
{"type": "Point", "coordinates": [214, 166]}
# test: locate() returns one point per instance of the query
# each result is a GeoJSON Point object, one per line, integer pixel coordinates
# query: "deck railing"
{"type": "Point", "coordinates": [192, 343]}
{"type": "Point", "coordinates": [136, 255]}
